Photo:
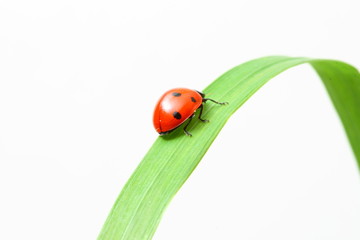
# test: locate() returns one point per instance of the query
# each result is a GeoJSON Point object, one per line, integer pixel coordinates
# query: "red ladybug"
{"type": "Point", "coordinates": [176, 106]}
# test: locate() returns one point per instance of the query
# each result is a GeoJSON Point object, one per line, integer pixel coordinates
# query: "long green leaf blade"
{"type": "Point", "coordinates": [170, 161]}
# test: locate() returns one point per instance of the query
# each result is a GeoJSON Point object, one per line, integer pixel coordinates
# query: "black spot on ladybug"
{"type": "Point", "coordinates": [193, 99]}
{"type": "Point", "coordinates": [176, 94]}
{"type": "Point", "coordinates": [177, 115]}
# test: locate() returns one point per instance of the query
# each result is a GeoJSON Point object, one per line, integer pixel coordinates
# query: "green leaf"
{"type": "Point", "coordinates": [172, 158]}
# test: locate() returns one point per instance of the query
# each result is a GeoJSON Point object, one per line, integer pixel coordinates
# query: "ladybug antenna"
{"type": "Point", "coordinates": [212, 100]}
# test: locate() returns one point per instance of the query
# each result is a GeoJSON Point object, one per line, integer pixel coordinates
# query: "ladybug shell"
{"type": "Point", "coordinates": [174, 107]}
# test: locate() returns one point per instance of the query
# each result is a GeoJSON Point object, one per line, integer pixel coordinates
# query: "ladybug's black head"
{"type": "Point", "coordinates": [202, 95]}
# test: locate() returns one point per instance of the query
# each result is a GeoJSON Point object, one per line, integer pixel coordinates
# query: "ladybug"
{"type": "Point", "coordinates": [176, 106]}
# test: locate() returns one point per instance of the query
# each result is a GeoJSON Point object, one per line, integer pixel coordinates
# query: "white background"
{"type": "Point", "coordinates": [78, 83]}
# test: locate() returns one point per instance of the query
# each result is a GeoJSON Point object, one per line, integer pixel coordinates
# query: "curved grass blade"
{"type": "Point", "coordinates": [170, 161]}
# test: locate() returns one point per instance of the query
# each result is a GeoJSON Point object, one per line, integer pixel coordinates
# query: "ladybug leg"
{"type": "Point", "coordinates": [201, 110]}
{"type": "Point", "coordinates": [209, 99]}
{"type": "Point", "coordinates": [185, 131]}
